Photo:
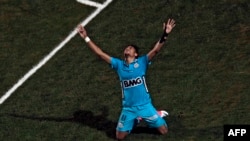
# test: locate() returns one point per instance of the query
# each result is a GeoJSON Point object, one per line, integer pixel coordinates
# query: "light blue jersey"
{"type": "Point", "coordinates": [136, 98]}
{"type": "Point", "coordinates": [132, 78]}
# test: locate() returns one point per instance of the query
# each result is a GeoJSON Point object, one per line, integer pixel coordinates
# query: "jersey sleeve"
{"type": "Point", "coordinates": [146, 60]}
{"type": "Point", "coordinates": [114, 63]}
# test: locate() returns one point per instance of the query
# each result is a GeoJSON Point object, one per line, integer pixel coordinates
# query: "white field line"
{"type": "Point", "coordinates": [89, 3]}
{"type": "Point", "coordinates": [53, 52]}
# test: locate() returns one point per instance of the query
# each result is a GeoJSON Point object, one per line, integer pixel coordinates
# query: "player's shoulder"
{"type": "Point", "coordinates": [116, 59]}
{"type": "Point", "coordinates": [143, 57]}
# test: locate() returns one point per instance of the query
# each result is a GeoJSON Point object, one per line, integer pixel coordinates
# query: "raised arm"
{"type": "Point", "coordinates": [97, 50]}
{"type": "Point", "coordinates": [168, 26]}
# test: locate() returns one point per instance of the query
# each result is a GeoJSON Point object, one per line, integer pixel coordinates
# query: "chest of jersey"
{"type": "Point", "coordinates": [132, 71]}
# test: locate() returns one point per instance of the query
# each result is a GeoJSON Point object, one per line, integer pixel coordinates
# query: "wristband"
{"type": "Point", "coordinates": [164, 37]}
{"type": "Point", "coordinates": [87, 39]}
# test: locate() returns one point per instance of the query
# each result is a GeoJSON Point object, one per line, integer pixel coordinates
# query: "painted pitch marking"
{"type": "Point", "coordinates": [100, 7]}
{"type": "Point", "coordinates": [90, 3]}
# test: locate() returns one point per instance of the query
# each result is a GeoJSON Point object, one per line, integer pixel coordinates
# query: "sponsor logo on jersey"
{"type": "Point", "coordinates": [132, 82]}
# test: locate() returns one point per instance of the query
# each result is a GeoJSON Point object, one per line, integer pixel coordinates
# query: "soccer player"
{"type": "Point", "coordinates": [136, 101]}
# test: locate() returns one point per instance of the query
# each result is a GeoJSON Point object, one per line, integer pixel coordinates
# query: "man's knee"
{"type": "Point", "coordinates": [121, 135]}
{"type": "Point", "coordinates": [163, 130]}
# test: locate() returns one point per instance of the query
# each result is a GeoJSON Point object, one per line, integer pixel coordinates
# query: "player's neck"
{"type": "Point", "coordinates": [129, 60]}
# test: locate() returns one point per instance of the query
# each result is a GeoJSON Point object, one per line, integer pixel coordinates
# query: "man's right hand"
{"type": "Point", "coordinates": [81, 30]}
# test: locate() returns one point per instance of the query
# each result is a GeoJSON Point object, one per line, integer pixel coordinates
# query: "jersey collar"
{"type": "Point", "coordinates": [125, 64]}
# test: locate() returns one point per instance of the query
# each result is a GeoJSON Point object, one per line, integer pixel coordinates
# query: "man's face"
{"type": "Point", "coordinates": [130, 51]}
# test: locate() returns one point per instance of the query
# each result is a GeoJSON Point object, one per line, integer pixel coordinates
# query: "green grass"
{"type": "Point", "coordinates": [201, 77]}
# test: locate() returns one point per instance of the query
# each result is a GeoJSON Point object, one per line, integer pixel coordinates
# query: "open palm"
{"type": "Point", "coordinates": [169, 25]}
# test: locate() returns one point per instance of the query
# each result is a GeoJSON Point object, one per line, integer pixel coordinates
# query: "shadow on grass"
{"type": "Point", "coordinates": [87, 118]}
{"type": "Point", "coordinates": [84, 117]}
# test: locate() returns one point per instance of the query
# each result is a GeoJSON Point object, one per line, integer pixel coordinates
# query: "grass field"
{"type": "Point", "coordinates": [201, 77]}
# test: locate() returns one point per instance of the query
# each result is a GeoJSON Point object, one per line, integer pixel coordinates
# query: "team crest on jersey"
{"type": "Point", "coordinates": [136, 65]}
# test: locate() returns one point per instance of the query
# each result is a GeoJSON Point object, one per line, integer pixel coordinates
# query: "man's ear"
{"type": "Point", "coordinates": [136, 54]}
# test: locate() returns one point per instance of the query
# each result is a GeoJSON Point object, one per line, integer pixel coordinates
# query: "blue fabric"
{"type": "Point", "coordinates": [132, 78]}
{"type": "Point", "coordinates": [147, 112]}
